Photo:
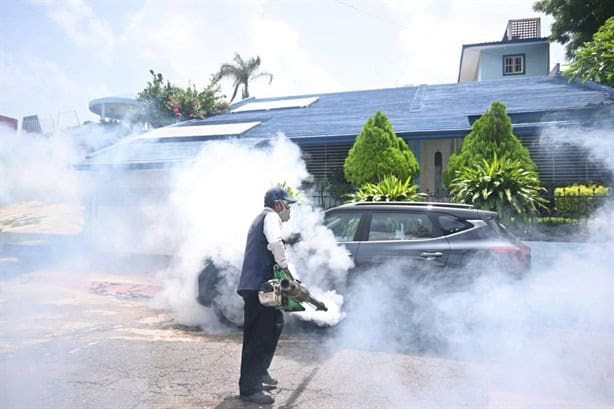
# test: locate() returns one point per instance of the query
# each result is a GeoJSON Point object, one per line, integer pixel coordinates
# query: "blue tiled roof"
{"type": "Point", "coordinates": [415, 113]}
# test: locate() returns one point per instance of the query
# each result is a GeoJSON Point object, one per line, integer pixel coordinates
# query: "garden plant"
{"type": "Point", "coordinates": [389, 189]}
{"type": "Point", "coordinates": [164, 103]}
{"type": "Point", "coordinates": [579, 201]}
{"type": "Point", "coordinates": [500, 185]}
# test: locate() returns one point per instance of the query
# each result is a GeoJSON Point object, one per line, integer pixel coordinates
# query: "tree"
{"type": "Point", "coordinates": [500, 185]}
{"type": "Point", "coordinates": [595, 60]}
{"type": "Point", "coordinates": [241, 72]}
{"type": "Point", "coordinates": [164, 103]}
{"type": "Point", "coordinates": [575, 21]}
{"type": "Point", "coordinates": [378, 152]}
{"type": "Point", "coordinates": [491, 134]}
{"type": "Point", "coordinates": [154, 99]}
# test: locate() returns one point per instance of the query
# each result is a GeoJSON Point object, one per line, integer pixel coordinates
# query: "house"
{"type": "Point", "coordinates": [432, 119]}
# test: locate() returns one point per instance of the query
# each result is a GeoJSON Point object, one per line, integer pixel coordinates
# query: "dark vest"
{"type": "Point", "coordinates": [258, 260]}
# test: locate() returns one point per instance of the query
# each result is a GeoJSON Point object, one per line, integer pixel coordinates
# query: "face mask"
{"type": "Point", "coordinates": [284, 214]}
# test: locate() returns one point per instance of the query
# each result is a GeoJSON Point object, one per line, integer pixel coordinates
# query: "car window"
{"type": "Point", "coordinates": [492, 230]}
{"type": "Point", "coordinates": [343, 224]}
{"type": "Point", "coordinates": [450, 224]}
{"type": "Point", "coordinates": [400, 226]}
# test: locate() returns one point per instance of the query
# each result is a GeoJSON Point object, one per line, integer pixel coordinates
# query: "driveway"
{"type": "Point", "coordinates": [82, 334]}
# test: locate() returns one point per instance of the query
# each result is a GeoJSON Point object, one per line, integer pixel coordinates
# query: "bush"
{"type": "Point", "coordinates": [390, 189]}
{"type": "Point", "coordinates": [556, 221]}
{"type": "Point", "coordinates": [579, 201]}
{"type": "Point", "coordinates": [164, 103]}
{"type": "Point", "coordinates": [491, 134]}
{"type": "Point", "coordinates": [379, 152]}
{"type": "Point", "coordinates": [501, 185]}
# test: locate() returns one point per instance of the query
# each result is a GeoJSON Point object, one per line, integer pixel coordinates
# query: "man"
{"type": "Point", "coordinates": [262, 325]}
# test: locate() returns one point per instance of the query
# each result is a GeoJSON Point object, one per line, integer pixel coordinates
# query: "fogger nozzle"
{"type": "Point", "coordinates": [296, 291]}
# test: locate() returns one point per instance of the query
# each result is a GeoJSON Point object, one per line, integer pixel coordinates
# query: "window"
{"type": "Point", "coordinates": [513, 64]}
{"type": "Point", "coordinates": [400, 226]}
{"type": "Point", "coordinates": [343, 225]}
{"type": "Point", "coordinates": [450, 224]}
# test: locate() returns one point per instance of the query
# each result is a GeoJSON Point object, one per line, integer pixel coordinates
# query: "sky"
{"type": "Point", "coordinates": [57, 55]}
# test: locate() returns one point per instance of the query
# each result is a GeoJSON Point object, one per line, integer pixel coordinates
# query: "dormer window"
{"type": "Point", "coordinates": [513, 64]}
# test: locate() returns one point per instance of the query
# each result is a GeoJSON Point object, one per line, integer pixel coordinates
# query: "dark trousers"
{"type": "Point", "coordinates": [261, 330]}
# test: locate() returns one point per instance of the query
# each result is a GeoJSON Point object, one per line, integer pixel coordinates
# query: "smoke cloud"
{"type": "Point", "coordinates": [213, 202]}
{"type": "Point", "coordinates": [547, 335]}
{"type": "Point", "coordinates": [39, 167]}
{"type": "Point", "coordinates": [193, 214]}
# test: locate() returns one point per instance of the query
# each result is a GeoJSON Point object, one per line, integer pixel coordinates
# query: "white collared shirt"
{"type": "Point", "coordinates": [272, 232]}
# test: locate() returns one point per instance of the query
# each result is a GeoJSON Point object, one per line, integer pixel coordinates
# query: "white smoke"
{"type": "Point", "coordinates": [547, 336]}
{"type": "Point", "coordinates": [39, 167]}
{"type": "Point", "coordinates": [319, 262]}
{"type": "Point", "coordinates": [598, 142]}
{"type": "Point", "coordinates": [41, 189]}
{"type": "Point", "coordinates": [214, 201]}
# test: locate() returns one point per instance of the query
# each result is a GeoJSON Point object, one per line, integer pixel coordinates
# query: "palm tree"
{"type": "Point", "coordinates": [241, 72]}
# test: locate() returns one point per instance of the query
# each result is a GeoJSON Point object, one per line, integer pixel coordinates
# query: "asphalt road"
{"type": "Point", "coordinates": [76, 335]}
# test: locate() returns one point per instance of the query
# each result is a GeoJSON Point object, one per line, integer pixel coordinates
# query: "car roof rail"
{"type": "Point", "coordinates": [433, 204]}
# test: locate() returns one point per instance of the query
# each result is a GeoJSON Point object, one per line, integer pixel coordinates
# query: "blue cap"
{"type": "Point", "coordinates": [274, 194]}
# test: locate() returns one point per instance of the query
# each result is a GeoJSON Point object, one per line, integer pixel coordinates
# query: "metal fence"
{"type": "Point", "coordinates": [326, 201]}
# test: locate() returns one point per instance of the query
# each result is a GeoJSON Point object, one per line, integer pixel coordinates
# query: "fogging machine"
{"type": "Point", "coordinates": [287, 294]}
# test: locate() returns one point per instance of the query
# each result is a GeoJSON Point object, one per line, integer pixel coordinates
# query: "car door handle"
{"type": "Point", "coordinates": [431, 255]}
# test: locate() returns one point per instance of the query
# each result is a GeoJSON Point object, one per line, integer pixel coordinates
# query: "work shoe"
{"type": "Point", "coordinates": [260, 397]}
{"type": "Point", "coordinates": [269, 380]}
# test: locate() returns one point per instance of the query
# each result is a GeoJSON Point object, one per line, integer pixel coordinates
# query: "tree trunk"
{"type": "Point", "coordinates": [245, 90]}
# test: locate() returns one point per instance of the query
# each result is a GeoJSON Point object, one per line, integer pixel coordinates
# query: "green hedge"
{"type": "Point", "coordinates": [579, 201]}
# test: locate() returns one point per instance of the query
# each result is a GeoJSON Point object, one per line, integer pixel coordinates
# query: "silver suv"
{"type": "Point", "coordinates": [433, 237]}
